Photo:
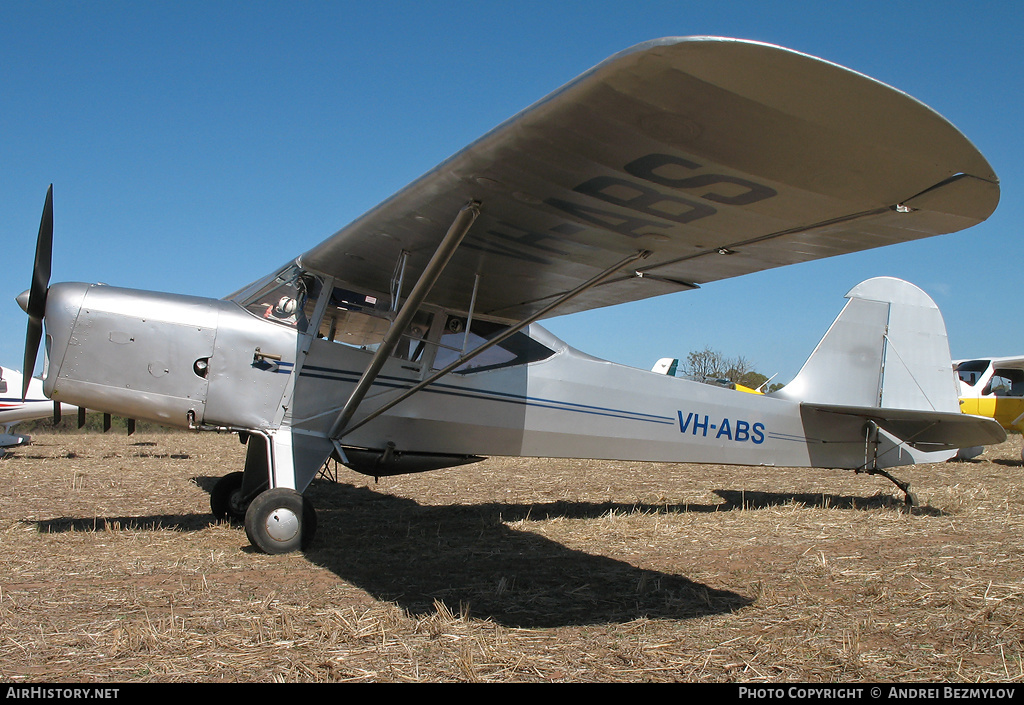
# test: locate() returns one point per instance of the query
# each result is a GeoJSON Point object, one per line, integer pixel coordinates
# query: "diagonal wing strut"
{"type": "Point", "coordinates": [458, 230]}
{"type": "Point", "coordinates": [339, 430]}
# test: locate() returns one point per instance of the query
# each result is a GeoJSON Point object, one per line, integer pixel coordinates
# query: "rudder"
{"type": "Point", "coordinates": [887, 349]}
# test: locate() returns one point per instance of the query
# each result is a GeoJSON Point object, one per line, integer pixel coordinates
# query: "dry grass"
{"type": "Point", "coordinates": [111, 570]}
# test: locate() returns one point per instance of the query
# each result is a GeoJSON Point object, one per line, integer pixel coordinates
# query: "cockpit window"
{"type": "Point", "coordinates": [519, 349]}
{"type": "Point", "coordinates": [971, 371]}
{"type": "Point", "coordinates": [288, 299]}
{"type": "Point", "coordinates": [362, 321]}
{"type": "Point", "coordinates": [1006, 383]}
{"type": "Point", "coordinates": [354, 319]}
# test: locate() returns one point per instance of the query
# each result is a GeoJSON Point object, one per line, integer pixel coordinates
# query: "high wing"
{"type": "Point", "coordinates": [712, 157]}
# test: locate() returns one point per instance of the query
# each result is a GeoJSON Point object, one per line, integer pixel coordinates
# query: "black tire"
{"type": "Point", "coordinates": [226, 498]}
{"type": "Point", "coordinates": [280, 520]}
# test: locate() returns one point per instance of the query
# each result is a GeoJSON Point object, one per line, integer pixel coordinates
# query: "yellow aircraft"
{"type": "Point", "coordinates": [993, 387]}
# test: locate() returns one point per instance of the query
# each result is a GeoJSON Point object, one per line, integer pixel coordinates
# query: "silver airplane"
{"type": "Point", "coordinates": [408, 340]}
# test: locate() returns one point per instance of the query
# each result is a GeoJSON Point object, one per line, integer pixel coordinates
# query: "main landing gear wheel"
{"type": "Point", "coordinates": [280, 520]}
{"type": "Point", "coordinates": [226, 498]}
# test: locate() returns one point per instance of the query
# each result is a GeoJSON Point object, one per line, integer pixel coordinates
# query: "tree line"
{"type": "Point", "coordinates": [712, 367]}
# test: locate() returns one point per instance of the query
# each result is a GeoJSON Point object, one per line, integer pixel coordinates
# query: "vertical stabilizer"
{"type": "Point", "coordinates": [888, 348]}
{"type": "Point", "coordinates": [666, 366]}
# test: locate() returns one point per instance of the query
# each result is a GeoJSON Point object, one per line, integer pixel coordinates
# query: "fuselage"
{"type": "Point", "coordinates": [244, 365]}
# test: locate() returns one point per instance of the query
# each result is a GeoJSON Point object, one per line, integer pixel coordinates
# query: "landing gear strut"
{"type": "Point", "coordinates": [277, 520]}
{"type": "Point", "coordinates": [908, 497]}
{"type": "Point", "coordinates": [871, 433]}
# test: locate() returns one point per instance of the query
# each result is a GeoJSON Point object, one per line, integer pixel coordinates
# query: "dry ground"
{"type": "Point", "coordinates": [112, 570]}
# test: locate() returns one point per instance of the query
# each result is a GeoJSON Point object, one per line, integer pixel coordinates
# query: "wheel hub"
{"type": "Point", "coordinates": [236, 503]}
{"type": "Point", "coordinates": [283, 524]}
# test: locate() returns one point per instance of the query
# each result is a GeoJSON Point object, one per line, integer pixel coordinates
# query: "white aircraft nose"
{"type": "Point", "coordinates": [22, 300]}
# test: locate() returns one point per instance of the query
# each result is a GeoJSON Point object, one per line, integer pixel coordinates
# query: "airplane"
{"type": "Point", "coordinates": [993, 387]}
{"type": "Point", "coordinates": [409, 340]}
{"type": "Point", "coordinates": [666, 366]}
{"type": "Point", "coordinates": [32, 405]}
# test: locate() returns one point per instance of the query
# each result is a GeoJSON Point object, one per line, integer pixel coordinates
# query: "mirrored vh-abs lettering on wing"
{"type": "Point", "coordinates": [652, 207]}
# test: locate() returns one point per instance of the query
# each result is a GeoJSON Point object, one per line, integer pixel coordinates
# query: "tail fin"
{"type": "Point", "coordinates": [666, 366]}
{"type": "Point", "coordinates": [888, 348]}
{"type": "Point", "coordinates": [886, 359]}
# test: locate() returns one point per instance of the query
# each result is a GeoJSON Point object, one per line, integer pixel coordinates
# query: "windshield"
{"type": "Point", "coordinates": [287, 299]}
{"type": "Point", "coordinates": [970, 372]}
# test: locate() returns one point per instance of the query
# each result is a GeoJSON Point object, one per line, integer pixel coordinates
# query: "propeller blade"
{"type": "Point", "coordinates": [56, 413]}
{"type": "Point", "coordinates": [32, 337]}
{"type": "Point", "coordinates": [37, 293]}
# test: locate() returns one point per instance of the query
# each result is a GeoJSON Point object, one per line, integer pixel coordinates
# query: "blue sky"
{"type": "Point", "coordinates": [196, 146]}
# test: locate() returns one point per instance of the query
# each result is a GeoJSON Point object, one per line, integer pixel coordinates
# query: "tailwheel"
{"type": "Point", "coordinates": [280, 520]}
{"type": "Point", "coordinates": [226, 501]}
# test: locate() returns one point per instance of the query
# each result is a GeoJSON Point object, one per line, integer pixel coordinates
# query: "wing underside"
{"type": "Point", "coordinates": [716, 157]}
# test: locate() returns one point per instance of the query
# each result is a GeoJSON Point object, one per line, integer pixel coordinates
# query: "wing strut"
{"type": "Point", "coordinates": [452, 239]}
{"type": "Point", "coordinates": [508, 333]}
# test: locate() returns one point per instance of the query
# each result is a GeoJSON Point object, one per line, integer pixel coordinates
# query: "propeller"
{"type": "Point", "coordinates": [33, 302]}
{"type": "Point", "coordinates": [36, 305]}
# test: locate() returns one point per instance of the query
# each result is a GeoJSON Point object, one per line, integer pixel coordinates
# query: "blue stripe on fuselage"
{"type": "Point", "coordinates": [506, 397]}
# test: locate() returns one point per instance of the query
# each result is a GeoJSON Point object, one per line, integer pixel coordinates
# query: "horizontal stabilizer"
{"type": "Point", "coordinates": [925, 430]}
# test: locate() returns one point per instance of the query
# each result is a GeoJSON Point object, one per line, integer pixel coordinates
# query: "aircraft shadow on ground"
{"type": "Point", "coordinates": [474, 560]}
{"type": "Point", "coordinates": [746, 499]}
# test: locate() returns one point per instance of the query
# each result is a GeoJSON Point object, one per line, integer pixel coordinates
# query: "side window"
{"type": "Point", "coordinates": [519, 349]}
{"type": "Point", "coordinates": [1006, 383]}
{"type": "Point", "coordinates": [1016, 382]}
{"type": "Point", "coordinates": [354, 319]}
{"type": "Point", "coordinates": [362, 321]}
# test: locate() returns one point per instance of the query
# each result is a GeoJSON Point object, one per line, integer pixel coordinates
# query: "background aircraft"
{"type": "Point", "coordinates": [993, 387]}
{"type": "Point", "coordinates": [14, 408]}
{"type": "Point", "coordinates": [666, 366]}
{"type": "Point", "coordinates": [669, 366]}
{"type": "Point", "coordinates": [408, 341]}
